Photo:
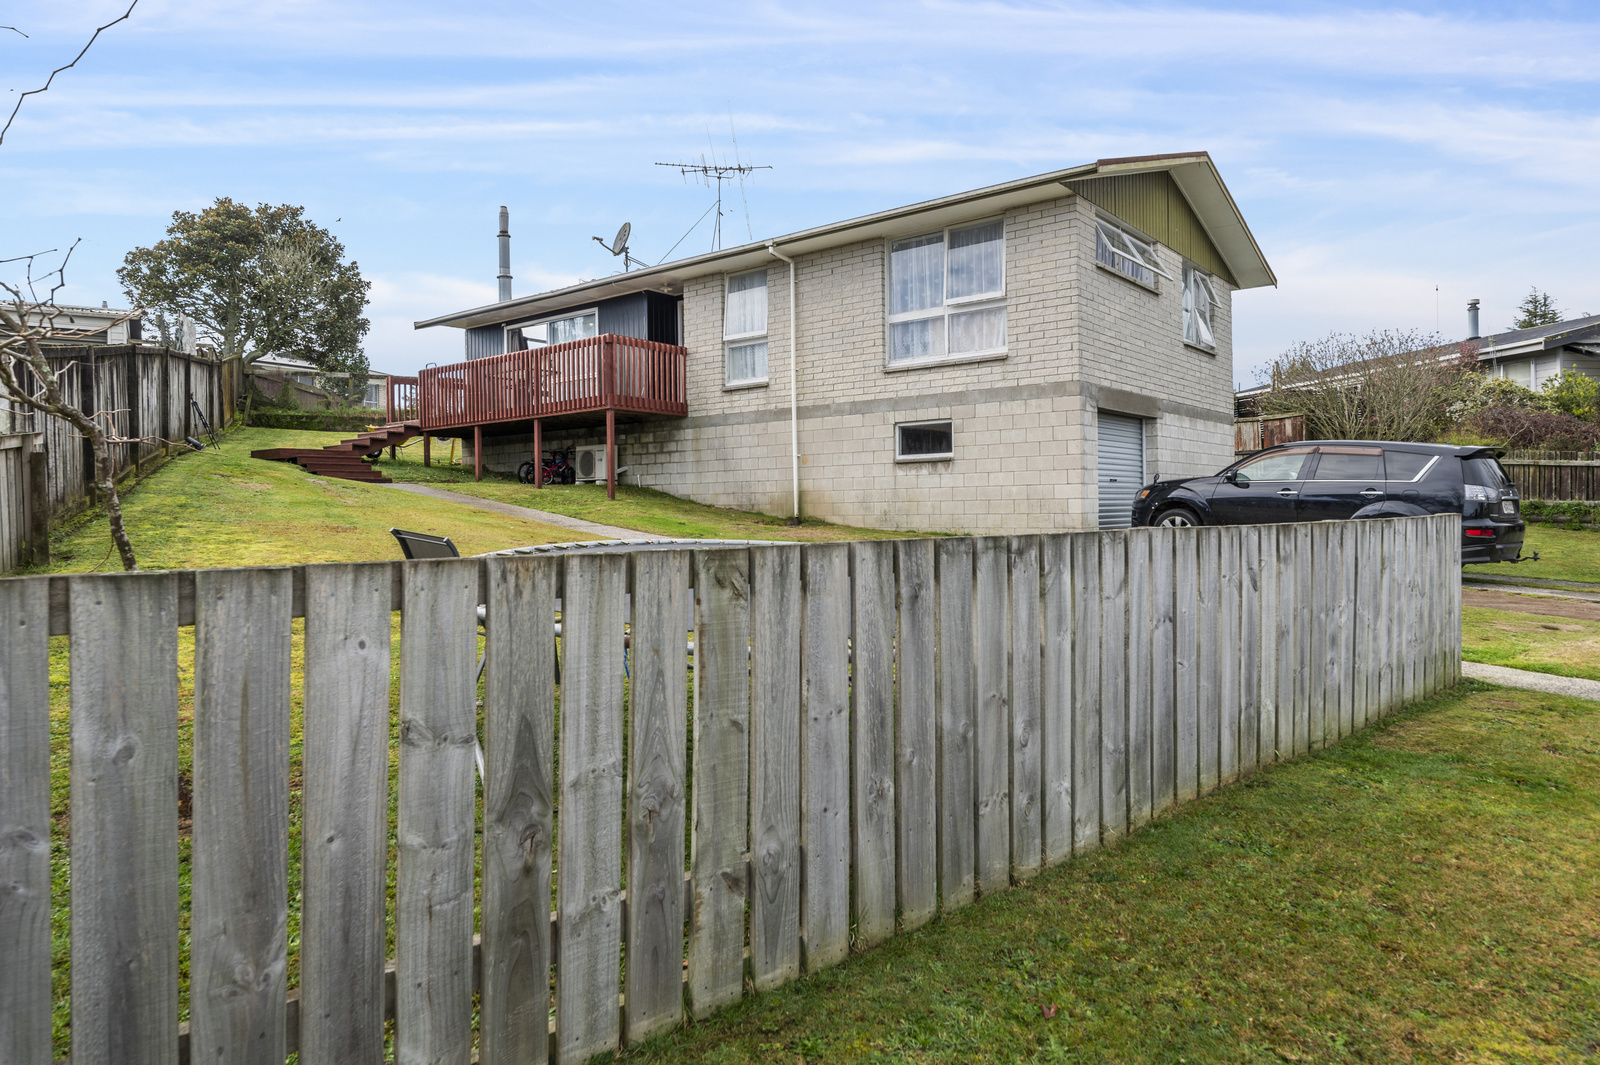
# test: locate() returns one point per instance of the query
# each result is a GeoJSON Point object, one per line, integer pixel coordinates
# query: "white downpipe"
{"type": "Point", "coordinates": [794, 383]}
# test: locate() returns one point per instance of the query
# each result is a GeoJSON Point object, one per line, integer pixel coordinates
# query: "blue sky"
{"type": "Point", "coordinates": [1376, 153]}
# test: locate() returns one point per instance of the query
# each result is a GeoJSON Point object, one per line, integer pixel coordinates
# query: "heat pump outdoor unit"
{"type": "Point", "coordinates": [590, 463]}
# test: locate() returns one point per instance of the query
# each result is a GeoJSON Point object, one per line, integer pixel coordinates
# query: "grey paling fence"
{"type": "Point", "coordinates": [880, 732]}
{"type": "Point", "coordinates": [1555, 480]}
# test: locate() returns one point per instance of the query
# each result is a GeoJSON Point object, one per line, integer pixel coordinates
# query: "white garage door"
{"type": "Point", "coordinates": [1121, 472]}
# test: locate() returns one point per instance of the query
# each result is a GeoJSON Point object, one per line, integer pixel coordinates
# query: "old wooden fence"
{"type": "Point", "coordinates": [1555, 480]}
{"type": "Point", "coordinates": [146, 392]}
{"type": "Point", "coordinates": [881, 732]}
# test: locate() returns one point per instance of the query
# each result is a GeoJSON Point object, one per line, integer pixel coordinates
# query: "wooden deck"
{"type": "Point", "coordinates": [619, 374]}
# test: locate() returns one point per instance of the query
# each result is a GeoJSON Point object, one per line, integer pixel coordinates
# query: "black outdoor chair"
{"type": "Point", "coordinates": [425, 545]}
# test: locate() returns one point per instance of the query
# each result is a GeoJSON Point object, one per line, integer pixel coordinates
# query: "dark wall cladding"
{"type": "Point", "coordinates": [625, 316]}
{"type": "Point", "coordinates": [485, 340]}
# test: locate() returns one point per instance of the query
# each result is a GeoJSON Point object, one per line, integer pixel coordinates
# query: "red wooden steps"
{"type": "Point", "coordinates": [346, 459]}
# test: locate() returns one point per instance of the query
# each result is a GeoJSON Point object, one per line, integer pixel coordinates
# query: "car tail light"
{"type": "Point", "coordinates": [1488, 533]}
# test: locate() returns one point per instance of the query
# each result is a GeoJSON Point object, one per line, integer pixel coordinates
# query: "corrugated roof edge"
{"type": "Point", "coordinates": [1200, 182]}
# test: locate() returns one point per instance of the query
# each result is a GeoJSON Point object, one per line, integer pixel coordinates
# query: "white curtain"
{"type": "Point", "coordinates": [916, 274]}
{"type": "Point", "coordinates": [747, 307]}
{"type": "Point", "coordinates": [1198, 301]}
{"type": "Point", "coordinates": [747, 362]}
{"type": "Point", "coordinates": [978, 330]}
{"type": "Point", "coordinates": [977, 260]}
{"type": "Point", "coordinates": [579, 327]}
{"type": "Point", "coordinates": [922, 339]}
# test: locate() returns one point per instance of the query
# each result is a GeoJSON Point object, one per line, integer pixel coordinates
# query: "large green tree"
{"type": "Point", "coordinates": [258, 281]}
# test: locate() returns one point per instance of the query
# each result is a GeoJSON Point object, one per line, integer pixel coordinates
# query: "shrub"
{"type": "Point", "coordinates": [1522, 427]}
{"type": "Point", "coordinates": [1573, 394]}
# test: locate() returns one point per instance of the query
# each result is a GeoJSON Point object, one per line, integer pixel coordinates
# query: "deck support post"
{"type": "Point", "coordinates": [611, 453]}
{"type": "Point", "coordinates": [427, 453]}
{"type": "Point", "coordinates": [477, 452]}
{"type": "Point", "coordinates": [538, 453]}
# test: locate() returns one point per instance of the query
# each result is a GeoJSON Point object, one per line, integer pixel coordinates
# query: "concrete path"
{"type": "Point", "coordinates": [1539, 682]}
{"type": "Point", "coordinates": [588, 528]}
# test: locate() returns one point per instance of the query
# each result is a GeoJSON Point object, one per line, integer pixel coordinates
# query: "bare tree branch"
{"type": "Point", "coordinates": [13, 29]}
{"type": "Point", "coordinates": [57, 70]}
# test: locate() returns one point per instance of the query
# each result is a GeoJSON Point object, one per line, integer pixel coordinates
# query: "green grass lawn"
{"type": "Point", "coordinates": [1564, 555]}
{"type": "Point", "coordinates": [224, 508]}
{"type": "Point", "coordinates": [1420, 893]}
{"type": "Point", "coordinates": [1565, 646]}
{"type": "Point", "coordinates": [638, 508]}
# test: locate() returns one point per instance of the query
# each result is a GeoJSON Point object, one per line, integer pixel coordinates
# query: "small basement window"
{"type": "Point", "coordinates": [923, 441]}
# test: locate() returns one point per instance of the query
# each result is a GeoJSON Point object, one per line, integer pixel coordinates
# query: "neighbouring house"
{"type": "Point", "coordinates": [1530, 357]}
{"type": "Point", "coordinates": [1018, 358]}
{"type": "Point", "coordinates": [102, 325]}
{"type": "Point", "coordinates": [271, 372]}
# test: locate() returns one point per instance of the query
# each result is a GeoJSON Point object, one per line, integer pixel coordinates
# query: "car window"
{"type": "Point", "coordinates": [1277, 466]}
{"type": "Point", "coordinates": [1483, 470]}
{"type": "Point", "coordinates": [1350, 467]}
{"type": "Point", "coordinates": [1405, 465]}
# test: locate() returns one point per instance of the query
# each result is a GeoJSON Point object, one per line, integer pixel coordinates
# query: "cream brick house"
{"type": "Point", "coordinates": [1018, 358]}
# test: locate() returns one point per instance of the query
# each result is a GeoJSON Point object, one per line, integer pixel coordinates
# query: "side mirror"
{"type": "Point", "coordinates": [1237, 479]}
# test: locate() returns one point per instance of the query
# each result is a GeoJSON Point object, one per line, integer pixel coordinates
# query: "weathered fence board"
{"type": "Point", "coordinates": [992, 750]}
{"type": "Point", "coordinates": [721, 786]}
{"type": "Point", "coordinates": [25, 822]}
{"type": "Point", "coordinates": [1304, 602]}
{"type": "Point", "coordinates": [589, 861]}
{"type": "Point", "coordinates": [1164, 679]}
{"type": "Point", "coordinates": [957, 782]}
{"type": "Point", "coordinates": [1027, 855]}
{"type": "Point", "coordinates": [1316, 672]}
{"type": "Point", "coordinates": [917, 740]}
{"type": "Point", "coordinates": [1186, 668]}
{"type": "Point", "coordinates": [1208, 664]}
{"type": "Point", "coordinates": [1249, 648]}
{"type": "Point", "coordinates": [344, 813]}
{"type": "Point", "coordinates": [1229, 653]}
{"type": "Point", "coordinates": [518, 806]}
{"type": "Point", "coordinates": [433, 883]}
{"type": "Point", "coordinates": [1086, 755]}
{"type": "Point", "coordinates": [124, 818]}
{"type": "Point", "coordinates": [239, 915]}
{"type": "Point", "coordinates": [775, 767]}
{"type": "Point", "coordinates": [1140, 752]}
{"type": "Point", "coordinates": [1113, 686]}
{"type": "Point", "coordinates": [1055, 719]}
{"type": "Point", "coordinates": [656, 792]}
{"type": "Point", "coordinates": [872, 739]}
{"type": "Point", "coordinates": [825, 756]}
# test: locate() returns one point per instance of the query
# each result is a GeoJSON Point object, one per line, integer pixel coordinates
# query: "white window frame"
{"type": "Point", "coordinates": [1196, 280]}
{"type": "Point", "coordinates": [734, 340]}
{"type": "Point", "coordinates": [942, 457]}
{"type": "Point", "coordinates": [1139, 256]}
{"type": "Point", "coordinates": [505, 343]}
{"type": "Point", "coordinates": [979, 301]}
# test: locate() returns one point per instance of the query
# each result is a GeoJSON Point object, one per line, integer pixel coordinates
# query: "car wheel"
{"type": "Point", "coordinates": [1177, 518]}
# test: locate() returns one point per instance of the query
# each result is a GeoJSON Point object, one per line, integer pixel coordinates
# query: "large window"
{"type": "Point", "coordinates": [1127, 254]}
{"type": "Point", "coordinates": [946, 293]}
{"type": "Point", "coordinates": [1199, 304]}
{"type": "Point", "coordinates": [744, 328]}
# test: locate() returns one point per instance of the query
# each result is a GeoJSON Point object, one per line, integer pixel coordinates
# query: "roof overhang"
{"type": "Point", "coordinates": [1195, 174]}
{"type": "Point", "coordinates": [1580, 338]}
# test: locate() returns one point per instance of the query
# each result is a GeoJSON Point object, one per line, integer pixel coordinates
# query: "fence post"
{"type": "Point", "coordinates": [39, 502]}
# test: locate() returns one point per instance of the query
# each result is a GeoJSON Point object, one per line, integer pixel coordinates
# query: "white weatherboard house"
{"type": "Point", "coordinates": [1015, 359]}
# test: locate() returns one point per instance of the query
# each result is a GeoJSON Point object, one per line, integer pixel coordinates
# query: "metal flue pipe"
{"type": "Point", "coordinates": [504, 276]}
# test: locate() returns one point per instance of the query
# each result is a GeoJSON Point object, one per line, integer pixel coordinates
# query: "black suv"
{"type": "Point", "coordinates": [1322, 480]}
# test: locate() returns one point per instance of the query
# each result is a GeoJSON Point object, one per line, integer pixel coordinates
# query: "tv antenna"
{"type": "Point", "coordinates": [704, 172]}
{"type": "Point", "coordinates": [619, 246]}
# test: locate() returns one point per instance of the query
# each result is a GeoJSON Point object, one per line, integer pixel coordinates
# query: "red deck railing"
{"type": "Point", "coordinates": [402, 401]}
{"type": "Point", "coordinates": [601, 373]}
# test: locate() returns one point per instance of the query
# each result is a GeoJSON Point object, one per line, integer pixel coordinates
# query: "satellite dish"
{"type": "Point", "coordinates": [620, 244]}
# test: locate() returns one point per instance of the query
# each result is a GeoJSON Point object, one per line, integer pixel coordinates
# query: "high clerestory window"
{"type": "Point", "coordinates": [1199, 304]}
{"type": "Point", "coordinates": [744, 329]}
{"type": "Point", "coordinates": [1120, 250]}
{"type": "Point", "coordinates": [947, 294]}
